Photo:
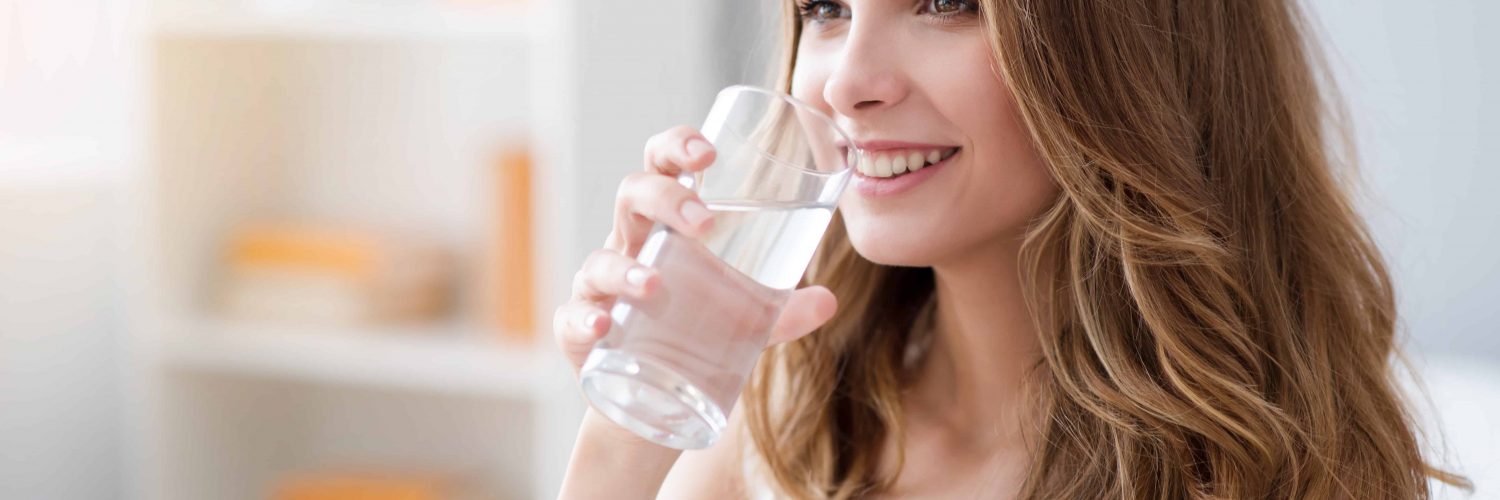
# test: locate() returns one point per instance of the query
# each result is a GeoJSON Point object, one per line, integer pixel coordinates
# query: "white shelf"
{"type": "Point", "coordinates": [442, 360]}
{"type": "Point", "coordinates": [369, 22]}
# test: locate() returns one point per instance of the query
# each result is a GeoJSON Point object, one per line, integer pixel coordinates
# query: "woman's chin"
{"type": "Point", "coordinates": [890, 250]}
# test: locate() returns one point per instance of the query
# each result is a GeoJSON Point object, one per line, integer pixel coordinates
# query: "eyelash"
{"type": "Point", "coordinates": [806, 9]}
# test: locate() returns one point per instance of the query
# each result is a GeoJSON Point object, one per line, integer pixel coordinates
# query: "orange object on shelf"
{"type": "Point", "coordinates": [358, 487]}
{"type": "Point", "coordinates": [335, 275]}
{"type": "Point", "coordinates": [323, 250]}
{"type": "Point", "coordinates": [515, 297]}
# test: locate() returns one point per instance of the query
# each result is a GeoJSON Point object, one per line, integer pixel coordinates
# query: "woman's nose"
{"type": "Point", "coordinates": [867, 76]}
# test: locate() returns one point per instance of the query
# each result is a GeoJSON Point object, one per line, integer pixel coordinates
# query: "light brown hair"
{"type": "Point", "coordinates": [1215, 320]}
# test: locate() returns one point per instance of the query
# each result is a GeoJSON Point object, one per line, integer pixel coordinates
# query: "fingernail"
{"type": "Point", "coordinates": [637, 276]}
{"type": "Point", "coordinates": [696, 148]}
{"type": "Point", "coordinates": [589, 320]}
{"type": "Point", "coordinates": [695, 213]}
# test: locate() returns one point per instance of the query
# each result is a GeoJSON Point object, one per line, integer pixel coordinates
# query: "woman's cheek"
{"type": "Point", "coordinates": [807, 88]}
{"type": "Point", "coordinates": [809, 76]}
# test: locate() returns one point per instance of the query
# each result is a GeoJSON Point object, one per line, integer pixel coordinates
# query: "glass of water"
{"type": "Point", "coordinates": [672, 366]}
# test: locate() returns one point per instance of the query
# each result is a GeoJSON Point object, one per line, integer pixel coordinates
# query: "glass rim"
{"type": "Point", "coordinates": [800, 104]}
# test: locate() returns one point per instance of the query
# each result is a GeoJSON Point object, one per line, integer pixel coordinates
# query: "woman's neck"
{"type": "Point", "coordinates": [983, 347]}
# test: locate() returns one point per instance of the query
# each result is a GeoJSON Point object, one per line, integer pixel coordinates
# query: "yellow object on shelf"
{"type": "Point", "coordinates": [316, 250]}
{"type": "Point", "coordinates": [358, 487]}
{"type": "Point", "coordinates": [333, 275]}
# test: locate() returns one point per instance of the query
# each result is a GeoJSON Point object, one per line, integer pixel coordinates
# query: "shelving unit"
{"type": "Point", "coordinates": [441, 360]}
{"type": "Point", "coordinates": [389, 113]}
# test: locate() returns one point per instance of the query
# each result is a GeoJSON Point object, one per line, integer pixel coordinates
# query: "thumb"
{"type": "Point", "coordinates": [806, 310]}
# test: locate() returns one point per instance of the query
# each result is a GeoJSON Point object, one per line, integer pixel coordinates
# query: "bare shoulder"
{"type": "Point", "coordinates": [714, 472]}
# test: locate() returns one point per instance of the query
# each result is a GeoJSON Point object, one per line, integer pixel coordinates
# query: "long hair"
{"type": "Point", "coordinates": [1214, 318]}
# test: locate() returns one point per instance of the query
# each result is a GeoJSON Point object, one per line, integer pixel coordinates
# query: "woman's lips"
{"type": "Point", "coordinates": [876, 187]}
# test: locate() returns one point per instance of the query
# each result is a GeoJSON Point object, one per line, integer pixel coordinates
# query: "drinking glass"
{"type": "Point", "coordinates": [671, 367]}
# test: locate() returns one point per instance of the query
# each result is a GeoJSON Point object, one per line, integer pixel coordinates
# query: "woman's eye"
{"type": "Point", "coordinates": [821, 10]}
{"type": "Point", "coordinates": [951, 7]}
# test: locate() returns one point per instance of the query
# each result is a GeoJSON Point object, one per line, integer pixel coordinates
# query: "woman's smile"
{"type": "Point", "coordinates": [916, 87]}
{"type": "Point", "coordinates": [888, 168]}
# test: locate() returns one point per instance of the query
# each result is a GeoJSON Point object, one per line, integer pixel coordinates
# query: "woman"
{"type": "Point", "coordinates": [1136, 274]}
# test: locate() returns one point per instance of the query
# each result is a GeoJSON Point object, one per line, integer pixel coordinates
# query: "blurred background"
{"type": "Point", "coordinates": [308, 249]}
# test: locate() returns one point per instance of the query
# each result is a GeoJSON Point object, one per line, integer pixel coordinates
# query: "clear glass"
{"type": "Point", "coordinates": [671, 368]}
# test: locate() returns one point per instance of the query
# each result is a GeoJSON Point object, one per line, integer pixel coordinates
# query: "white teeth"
{"type": "Point", "coordinates": [849, 160]}
{"type": "Point", "coordinates": [887, 164]}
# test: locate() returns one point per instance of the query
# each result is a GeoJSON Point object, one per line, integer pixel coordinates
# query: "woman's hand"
{"type": "Point", "coordinates": [644, 198]}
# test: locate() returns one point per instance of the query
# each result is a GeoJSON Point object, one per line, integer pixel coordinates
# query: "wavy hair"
{"type": "Point", "coordinates": [1214, 318]}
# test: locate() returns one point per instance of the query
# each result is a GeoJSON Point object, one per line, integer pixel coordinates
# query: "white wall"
{"type": "Point", "coordinates": [1420, 78]}
{"type": "Point", "coordinates": [747, 35]}
{"type": "Point", "coordinates": [637, 87]}
{"type": "Point", "coordinates": [66, 133]}
{"type": "Point", "coordinates": [1420, 82]}
{"type": "Point", "coordinates": [60, 425]}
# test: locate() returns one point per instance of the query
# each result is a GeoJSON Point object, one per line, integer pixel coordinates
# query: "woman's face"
{"type": "Point", "coordinates": [913, 81]}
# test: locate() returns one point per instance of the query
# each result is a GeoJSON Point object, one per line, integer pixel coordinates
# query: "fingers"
{"type": "Point", "coordinates": [805, 311]}
{"type": "Point", "coordinates": [646, 197]}
{"type": "Point", "coordinates": [577, 326]}
{"type": "Point", "coordinates": [607, 274]}
{"type": "Point", "coordinates": [656, 195]}
{"type": "Point", "coordinates": [677, 150]}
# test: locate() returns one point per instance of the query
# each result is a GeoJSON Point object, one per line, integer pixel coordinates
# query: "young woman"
{"type": "Point", "coordinates": [1133, 271]}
